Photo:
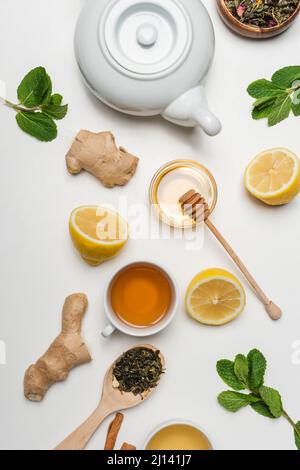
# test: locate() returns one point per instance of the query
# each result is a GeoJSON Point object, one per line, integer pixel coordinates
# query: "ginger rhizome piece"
{"type": "Point", "coordinates": [67, 351]}
{"type": "Point", "coordinates": [98, 154]}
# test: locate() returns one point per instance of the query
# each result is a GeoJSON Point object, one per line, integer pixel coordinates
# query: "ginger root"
{"type": "Point", "coordinates": [66, 352]}
{"type": "Point", "coordinates": [98, 154]}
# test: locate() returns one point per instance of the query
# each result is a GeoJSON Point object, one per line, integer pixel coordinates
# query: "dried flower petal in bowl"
{"type": "Point", "coordinates": [262, 13]}
{"type": "Point", "coordinates": [258, 18]}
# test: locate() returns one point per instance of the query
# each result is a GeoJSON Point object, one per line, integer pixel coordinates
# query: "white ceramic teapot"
{"type": "Point", "coordinates": [148, 57]}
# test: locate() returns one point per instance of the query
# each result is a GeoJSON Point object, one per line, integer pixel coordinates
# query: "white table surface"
{"type": "Point", "coordinates": [39, 266]}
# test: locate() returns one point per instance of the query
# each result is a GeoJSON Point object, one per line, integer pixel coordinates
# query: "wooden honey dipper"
{"type": "Point", "coordinates": [195, 205]}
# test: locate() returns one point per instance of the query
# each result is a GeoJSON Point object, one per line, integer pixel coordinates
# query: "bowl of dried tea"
{"type": "Point", "coordinates": [258, 19]}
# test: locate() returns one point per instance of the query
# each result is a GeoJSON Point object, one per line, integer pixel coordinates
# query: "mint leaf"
{"type": "Point", "coordinates": [225, 370]}
{"type": "Point", "coordinates": [261, 408]}
{"type": "Point", "coordinates": [48, 93]}
{"type": "Point", "coordinates": [272, 399]}
{"type": "Point", "coordinates": [257, 368]}
{"type": "Point", "coordinates": [280, 110]}
{"type": "Point", "coordinates": [56, 99]}
{"type": "Point", "coordinates": [285, 77]}
{"type": "Point", "coordinates": [234, 401]}
{"type": "Point", "coordinates": [38, 107]}
{"type": "Point", "coordinates": [241, 368]}
{"type": "Point", "coordinates": [296, 106]}
{"type": "Point", "coordinates": [263, 400]}
{"type": "Point", "coordinates": [38, 125]}
{"type": "Point", "coordinates": [276, 98]}
{"type": "Point", "coordinates": [55, 111]}
{"type": "Point", "coordinates": [296, 99]}
{"type": "Point", "coordinates": [297, 436]}
{"type": "Point", "coordinates": [296, 109]}
{"type": "Point", "coordinates": [262, 107]}
{"type": "Point", "coordinates": [263, 88]}
{"type": "Point", "coordinates": [33, 88]}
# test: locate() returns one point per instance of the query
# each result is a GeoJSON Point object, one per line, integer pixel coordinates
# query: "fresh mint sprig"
{"type": "Point", "coordinates": [248, 373]}
{"type": "Point", "coordinates": [38, 107]}
{"type": "Point", "coordinates": [276, 99]}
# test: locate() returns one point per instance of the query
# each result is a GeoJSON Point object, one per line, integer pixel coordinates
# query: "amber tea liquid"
{"type": "Point", "coordinates": [141, 295]}
{"type": "Point", "coordinates": [179, 437]}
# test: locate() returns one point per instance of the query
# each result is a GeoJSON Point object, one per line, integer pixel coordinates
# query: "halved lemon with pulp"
{"type": "Point", "coordinates": [215, 297]}
{"type": "Point", "coordinates": [273, 176]}
{"type": "Point", "coordinates": [98, 233]}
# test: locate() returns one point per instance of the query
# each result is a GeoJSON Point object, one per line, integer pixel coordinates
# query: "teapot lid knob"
{"type": "Point", "coordinates": [147, 35]}
{"type": "Point", "coordinates": [145, 38]}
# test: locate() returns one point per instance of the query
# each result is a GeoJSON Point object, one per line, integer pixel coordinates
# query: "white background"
{"type": "Point", "coordinates": [39, 266]}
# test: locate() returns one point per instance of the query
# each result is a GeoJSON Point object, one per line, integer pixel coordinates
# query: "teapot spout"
{"type": "Point", "coordinates": [191, 109]}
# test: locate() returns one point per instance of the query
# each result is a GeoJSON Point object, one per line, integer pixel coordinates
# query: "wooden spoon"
{"type": "Point", "coordinates": [112, 401]}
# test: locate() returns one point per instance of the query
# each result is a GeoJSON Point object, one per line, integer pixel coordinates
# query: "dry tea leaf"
{"type": "Point", "coordinates": [138, 370]}
{"type": "Point", "coordinates": [262, 13]}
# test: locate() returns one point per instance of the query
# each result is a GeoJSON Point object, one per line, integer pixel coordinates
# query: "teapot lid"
{"type": "Point", "coordinates": [145, 38]}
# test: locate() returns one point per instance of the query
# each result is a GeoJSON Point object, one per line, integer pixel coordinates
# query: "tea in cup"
{"type": "Point", "coordinates": [178, 435]}
{"type": "Point", "coordinates": [141, 300]}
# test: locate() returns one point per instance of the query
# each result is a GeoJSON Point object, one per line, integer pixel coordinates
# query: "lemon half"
{"type": "Point", "coordinates": [98, 233]}
{"type": "Point", "coordinates": [273, 176]}
{"type": "Point", "coordinates": [215, 297]}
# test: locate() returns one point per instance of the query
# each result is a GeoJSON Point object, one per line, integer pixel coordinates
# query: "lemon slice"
{"type": "Point", "coordinates": [215, 297]}
{"type": "Point", "coordinates": [273, 176]}
{"type": "Point", "coordinates": [98, 233]}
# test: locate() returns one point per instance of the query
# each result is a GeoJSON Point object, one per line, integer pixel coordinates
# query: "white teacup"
{"type": "Point", "coordinates": [172, 422]}
{"type": "Point", "coordinates": [114, 321]}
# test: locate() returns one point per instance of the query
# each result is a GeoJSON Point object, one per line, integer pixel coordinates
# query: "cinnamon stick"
{"type": "Point", "coordinates": [113, 431]}
{"type": "Point", "coordinates": [127, 446]}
